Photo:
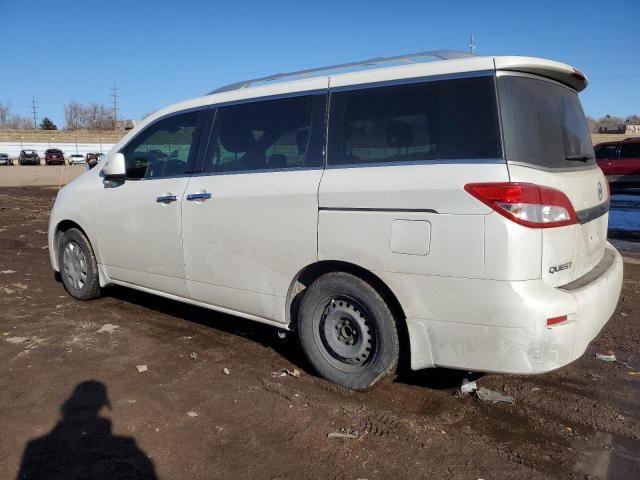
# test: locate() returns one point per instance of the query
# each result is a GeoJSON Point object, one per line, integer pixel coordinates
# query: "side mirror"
{"type": "Point", "coordinates": [114, 168]}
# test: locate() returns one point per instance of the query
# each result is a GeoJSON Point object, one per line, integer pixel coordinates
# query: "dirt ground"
{"type": "Point", "coordinates": [34, 175]}
{"type": "Point", "coordinates": [72, 398]}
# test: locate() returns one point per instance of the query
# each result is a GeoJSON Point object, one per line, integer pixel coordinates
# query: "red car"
{"type": "Point", "coordinates": [53, 156]}
{"type": "Point", "coordinates": [620, 162]}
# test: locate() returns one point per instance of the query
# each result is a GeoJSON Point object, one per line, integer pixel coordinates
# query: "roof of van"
{"type": "Point", "coordinates": [429, 63]}
{"type": "Point", "coordinates": [381, 69]}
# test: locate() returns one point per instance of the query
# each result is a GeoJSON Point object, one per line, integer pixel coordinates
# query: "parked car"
{"type": "Point", "coordinates": [92, 159]}
{"type": "Point", "coordinates": [620, 162]}
{"type": "Point", "coordinates": [29, 157]}
{"type": "Point", "coordinates": [5, 159]}
{"type": "Point", "coordinates": [76, 159]}
{"type": "Point", "coordinates": [53, 156]}
{"type": "Point", "coordinates": [454, 212]}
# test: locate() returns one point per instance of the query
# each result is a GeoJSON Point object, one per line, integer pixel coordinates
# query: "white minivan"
{"type": "Point", "coordinates": [441, 205]}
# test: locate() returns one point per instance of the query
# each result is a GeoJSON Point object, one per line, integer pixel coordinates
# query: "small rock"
{"type": "Point", "coordinates": [467, 386]}
{"type": "Point", "coordinates": [192, 414]}
{"type": "Point", "coordinates": [193, 355]}
{"type": "Point", "coordinates": [226, 371]}
{"type": "Point", "coordinates": [8, 291]}
{"type": "Point", "coordinates": [107, 328]}
{"type": "Point", "coordinates": [21, 286]}
{"type": "Point", "coordinates": [7, 272]}
{"type": "Point", "coordinates": [622, 314]}
{"type": "Point", "coordinates": [44, 248]}
{"type": "Point", "coordinates": [141, 368]}
{"type": "Point", "coordinates": [17, 340]}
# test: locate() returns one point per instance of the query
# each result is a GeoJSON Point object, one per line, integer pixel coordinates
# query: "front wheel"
{"type": "Point", "coordinates": [347, 331]}
{"type": "Point", "coordinates": [78, 266]}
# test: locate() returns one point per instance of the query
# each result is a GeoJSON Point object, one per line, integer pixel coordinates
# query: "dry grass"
{"type": "Point", "coordinates": [111, 136]}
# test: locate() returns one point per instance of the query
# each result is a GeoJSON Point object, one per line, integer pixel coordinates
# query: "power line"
{"type": "Point", "coordinates": [34, 109]}
{"type": "Point", "coordinates": [114, 97]}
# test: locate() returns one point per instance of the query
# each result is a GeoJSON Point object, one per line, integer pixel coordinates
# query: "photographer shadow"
{"type": "Point", "coordinates": [81, 445]}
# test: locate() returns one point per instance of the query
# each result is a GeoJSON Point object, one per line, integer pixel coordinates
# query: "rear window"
{"type": "Point", "coordinates": [445, 119]}
{"type": "Point", "coordinates": [543, 124]}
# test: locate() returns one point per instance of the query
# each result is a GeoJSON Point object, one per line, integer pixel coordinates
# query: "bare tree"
{"type": "Point", "coordinates": [5, 111]}
{"type": "Point", "coordinates": [92, 116]}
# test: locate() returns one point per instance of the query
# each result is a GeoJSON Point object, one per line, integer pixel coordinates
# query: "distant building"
{"type": "Point", "coordinates": [624, 129]}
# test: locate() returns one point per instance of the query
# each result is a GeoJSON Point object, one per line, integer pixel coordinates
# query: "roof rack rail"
{"type": "Point", "coordinates": [408, 58]}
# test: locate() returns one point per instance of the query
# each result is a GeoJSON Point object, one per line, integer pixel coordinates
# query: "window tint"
{"type": "Point", "coordinates": [543, 124]}
{"type": "Point", "coordinates": [271, 134]}
{"type": "Point", "coordinates": [448, 119]}
{"type": "Point", "coordinates": [164, 149]}
{"type": "Point", "coordinates": [606, 151]}
{"type": "Point", "coordinates": [630, 150]}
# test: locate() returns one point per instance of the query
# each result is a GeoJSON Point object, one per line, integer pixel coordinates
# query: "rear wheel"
{"type": "Point", "coordinates": [78, 266]}
{"type": "Point", "coordinates": [347, 331]}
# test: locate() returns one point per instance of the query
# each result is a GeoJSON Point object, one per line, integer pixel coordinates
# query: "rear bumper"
{"type": "Point", "coordinates": [500, 326]}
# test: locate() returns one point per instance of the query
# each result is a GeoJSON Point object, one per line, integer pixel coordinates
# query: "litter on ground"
{"type": "Point", "coordinates": [490, 396]}
{"type": "Point", "coordinates": [467, 386]}
{"type": "Point", "coordinates": [192, 414]}
{"type": "Point", "coordinates": [107, 328]}
{"type": "Point", "coordinates": [17, 340]}
{"type": "Point", "coordinates": [226, 371]}
{"type": "Point", "coordinates": [606, 358]}
{"type": "Point", "coordinates": [343, 433]}
{"type": "Point", "coordinates": [141, 368]}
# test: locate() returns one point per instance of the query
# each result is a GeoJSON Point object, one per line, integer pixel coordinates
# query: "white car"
{"type": "Point", "coordinates": [450, 209]}
{"type": "Point", "coordinates": [77, 159]}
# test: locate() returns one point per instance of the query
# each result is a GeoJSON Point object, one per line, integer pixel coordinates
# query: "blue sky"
{"type": "Point", "coordinates": [159, 52]}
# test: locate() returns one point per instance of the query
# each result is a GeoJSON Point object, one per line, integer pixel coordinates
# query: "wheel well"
{"type": "Point", "coordinates": [62, 227]}
{"type": "Point", "coordinates": [310, 273]}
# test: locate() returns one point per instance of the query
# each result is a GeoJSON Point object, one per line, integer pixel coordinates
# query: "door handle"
{"type": "Point", "coordinates": [166, 198]}
{"type": "Point", "coordinates": [199, 196]}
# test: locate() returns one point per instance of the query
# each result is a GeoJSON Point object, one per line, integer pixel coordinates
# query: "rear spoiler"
{"type": "Point", "coordinates": [560, 72]}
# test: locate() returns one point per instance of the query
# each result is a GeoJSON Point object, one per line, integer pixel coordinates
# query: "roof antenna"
{"type": "Point", "coordinates": [472, 46]}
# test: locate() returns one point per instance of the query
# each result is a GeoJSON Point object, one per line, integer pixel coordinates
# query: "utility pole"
{"type": "Point", "coordinates": [33, 109]}
{"type": "Point", "coordinates": [472, 46]}
{"type": "Point", "coordinates": [114, 97]}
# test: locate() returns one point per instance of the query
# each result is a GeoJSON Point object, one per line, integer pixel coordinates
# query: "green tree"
{"type": "Point", "coordinates": [47, 124]}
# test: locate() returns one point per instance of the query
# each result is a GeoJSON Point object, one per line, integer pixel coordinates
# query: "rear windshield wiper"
{"type": "Point", "coordinates": [578, 158]}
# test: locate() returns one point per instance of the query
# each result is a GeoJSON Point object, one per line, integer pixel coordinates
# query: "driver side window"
{"type": "Point", "coordinates": [165, 149]}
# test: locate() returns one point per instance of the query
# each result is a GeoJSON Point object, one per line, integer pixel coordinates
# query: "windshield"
{"type": "Point", "coordinates": [543, 124]}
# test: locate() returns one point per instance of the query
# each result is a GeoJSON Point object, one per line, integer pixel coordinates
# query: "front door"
{"type": "Point", "coordinates": [140, 219]}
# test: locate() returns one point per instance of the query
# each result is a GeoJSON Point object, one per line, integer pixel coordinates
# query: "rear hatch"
{"type": "Point", "coordinates": [547, 142]}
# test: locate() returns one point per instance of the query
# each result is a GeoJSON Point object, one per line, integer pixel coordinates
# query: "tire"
{"type": "Point", "coordinates": [347, 331]}
{"type": "Point", "coordinates": [78, 266]}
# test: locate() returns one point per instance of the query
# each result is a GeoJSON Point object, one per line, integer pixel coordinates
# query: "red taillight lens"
{"type": "Point", "coordinates": [526, 204]}
{"type": "Point", "coordinates": [556, 320]}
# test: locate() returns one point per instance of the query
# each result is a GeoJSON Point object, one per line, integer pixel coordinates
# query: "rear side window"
{"type": "Point", "coordinates": [262, 135]}
{"type": "Point", "coordinates": [543, 124]}
{"type": "Point", "coordinates": [447, 119]}
{"type": "Point", "coordinates": [630, 150]}
{"type": "Point", "coordinates": [605, 151]}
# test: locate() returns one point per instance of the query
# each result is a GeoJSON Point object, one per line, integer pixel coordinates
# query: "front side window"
{"type": "Point", "coordinates": [445, 119]}
{"type": "Point", "coordinates": [265, 135]}
{"type": "Point", "coordinates": [164, 149]}
{"type": "Point", "coordinates": [630, 150]}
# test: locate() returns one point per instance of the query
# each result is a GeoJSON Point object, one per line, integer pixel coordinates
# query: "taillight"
{"type": "Point", "coordinates": [526, 204]}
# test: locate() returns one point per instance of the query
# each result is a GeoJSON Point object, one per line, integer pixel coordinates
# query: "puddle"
{"type": "Point", "coordinates": [609, 456]}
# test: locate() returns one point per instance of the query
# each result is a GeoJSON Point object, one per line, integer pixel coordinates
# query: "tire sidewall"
{"type": "Point", "coordinates": [380, 317]}
{"type": "Point", "coordinates": [91, 286]}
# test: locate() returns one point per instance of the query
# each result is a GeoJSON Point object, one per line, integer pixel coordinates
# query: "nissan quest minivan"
{"type": "Point", "coordinates": [441, 205]}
